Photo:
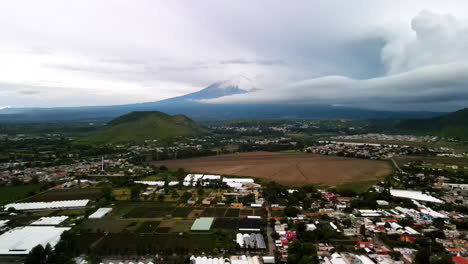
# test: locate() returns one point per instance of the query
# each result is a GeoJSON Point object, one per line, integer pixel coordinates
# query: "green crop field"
{"type": "Point", "coordinates": [127, 244]}
{"type": "Point", "coordinates": [357, 187]}
{"type": "Point", "coordinates": [10, 194]}
{"type": "Point", "coordinates": [108, 225]}
{"type": "Point", "coordinates": [148, 227]}
{"type": "Point", "coordinates": [67, 194]}
{"type": "Point", "coordinates": [214, 212]}
{"type": "Point", "coordinates": [182, 211]}
{"type": "Point", "coordinates": [232, 212]}
{"type": "Point", "coordinates": [149, 212]}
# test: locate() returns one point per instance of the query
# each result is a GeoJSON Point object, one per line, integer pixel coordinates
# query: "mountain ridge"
{"type": "Point", "coordinates": [191, 105]}
{"type": "Point", "coordinates": [140, 126]}
{"type": "Point", "coordinates": [453, 124]}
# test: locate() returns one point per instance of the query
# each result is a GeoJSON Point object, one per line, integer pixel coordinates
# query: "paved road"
{"type": "Point", "coordinates": [271, 242]}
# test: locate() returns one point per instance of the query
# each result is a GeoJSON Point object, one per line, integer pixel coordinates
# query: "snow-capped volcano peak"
{"type": "Point", "coordinates": [241, 82]}
{"type": "Point", "coordinates": [238, 85]}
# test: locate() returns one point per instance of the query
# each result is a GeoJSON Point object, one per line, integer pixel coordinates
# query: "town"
{"type": "Point", "coordinates": [118, 208]}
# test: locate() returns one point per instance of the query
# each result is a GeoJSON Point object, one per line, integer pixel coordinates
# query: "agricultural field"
{"type": "Point", "coordinates": [67, 194]}
{"type": "Point", "coordinates": [235, 223]}
{"type": "Point", "coordinates": [148, 227]}
{"type": "Point", "coordinates": [121, 194]}
{"type": "Point", "coordinates": [108, 225]}
{"type": "Point", "coordinates": [13, 193]}
{"type": "Point", "coordinates": [125, 244]}
{"type": "Point", "coordinates": [436, 162]}
{"type": "Point", "coordinates": [288, 168]}
{"type": "Point", "coordinates": [149, 212]}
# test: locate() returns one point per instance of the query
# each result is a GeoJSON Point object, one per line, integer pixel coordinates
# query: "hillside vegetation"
{"type": "Point", "coordinates": [140, 126]}
{"type": "Point", "coordinates": [450, 125]}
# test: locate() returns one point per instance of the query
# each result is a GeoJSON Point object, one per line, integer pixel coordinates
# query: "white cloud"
{"type": "Point", "coordinates": [432, 39]}
{"type": "Point", "coordinates": [56, 53]}
{"type": "Point", "coordinates": [430, 85]}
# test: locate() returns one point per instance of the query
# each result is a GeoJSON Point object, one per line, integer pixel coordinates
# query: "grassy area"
{"type": "Point", "coordinates": [358, 187]}
{"type": "Point", "coordinates": [289, 151]}
{"type": "Point", "coordinates": [148, 227]}
{"type": "Point", "coordinates": [10, 194]}
{"type": "Point", "coordinates": [140, 126]}
{"type": "Point", "coordinates": [152, 178]}
{"type": "Point", "coordinates": [121, 194]}
{"type": "Point", "coordinates": [182, 226]}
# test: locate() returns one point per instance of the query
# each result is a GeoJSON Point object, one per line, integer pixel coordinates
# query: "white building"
{"type": "Point", "coordinates": [21, 240]}
{"type": "Point", "coordinates": [100, 213]}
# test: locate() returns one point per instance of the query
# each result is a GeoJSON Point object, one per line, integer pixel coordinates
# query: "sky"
{"type": "Point", "coordinates": [386, 54]}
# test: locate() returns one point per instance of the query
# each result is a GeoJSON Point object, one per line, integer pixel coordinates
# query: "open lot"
{"type": "Point", "coordinates": [287, 168]}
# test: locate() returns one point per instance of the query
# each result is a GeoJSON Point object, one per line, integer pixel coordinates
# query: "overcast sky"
{"type": "Point", "coordinates": [386, 54]}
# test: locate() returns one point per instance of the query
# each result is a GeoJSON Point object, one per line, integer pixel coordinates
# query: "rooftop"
{"type": "Point", "coordinates": [202, 224]}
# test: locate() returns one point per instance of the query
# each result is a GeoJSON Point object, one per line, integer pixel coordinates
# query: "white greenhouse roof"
{"type": "Point", "coordinates": [3, 223]}
{"type": "Point", "coordinates": [152, 183]}
{"type": "Point", "coordinates": [416, 195]}
{"type": "Point", "coordinates": [173, 183]}
{"type": "Point", "coordinates": [100, 213]}
{"type": "Point", "coordinates": [207, 260]}
{"type": "Point", "coordinates": [50, 221]}
{"type": "Point", "coordinates": [211, 177]}
{"type": "Point", "coordinates": [238, 180]}
{"type": "Point", "coordinates": [47, 205]}
{"type": "Point", "coordinates": [429, 211]}
{"type": "Point", "coordinates": [21, 240]}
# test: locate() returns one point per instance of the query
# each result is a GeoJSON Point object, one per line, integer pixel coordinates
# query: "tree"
{"type": "Point", "coordinates": [174, 194]}
{"type": "Point", "coordinates": [161, 197]}
{"type": "Point", "coordinates": [362, 230]}
{"type": "Point", "coordinates": [441, 259]}
{"type": "Point", "coordinates": [302, 252]}
{"type": "Point", "coordinates": [36, 256]}
{"type": "Point", "coordinates": [34, 179]}
{"type": "Point", "coordinates": [187, 195]}
{"type": "Point", "coordinates": [275, 235]}
{"type": "Point", "coordinates": [396, 255]}
{"type": "Point", "coordinates": [135, 192]}
{"type": "Point", "coordinates": [107, 192]}
{"type": "Point", "coordinates": [200, 191]}
{"type": "Point", "coordinates": [422, 256]}
{"type": "Point", "coordinates": [15, 181]}
{"type": "Point", "coordinates": [291, 211]}
{"type": "Point", "coordinates": [306, 203]}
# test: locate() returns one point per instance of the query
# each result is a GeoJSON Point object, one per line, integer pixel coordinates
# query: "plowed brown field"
{"type": "Point", "coordinates": [290, 169]}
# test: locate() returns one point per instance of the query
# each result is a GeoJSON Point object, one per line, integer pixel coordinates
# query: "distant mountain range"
{"type": "Point", "coordinates": [191, 106]}
{"type": "Point", "coordinates": [140, 126]}
{"type": "Point", "coordinates": [450, 125]}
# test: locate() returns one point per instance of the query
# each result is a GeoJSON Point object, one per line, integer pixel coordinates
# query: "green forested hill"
{"type": "Point", "coordinates": [140, 126]}
{"type": "Point", "coordinates": [450, 125]}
